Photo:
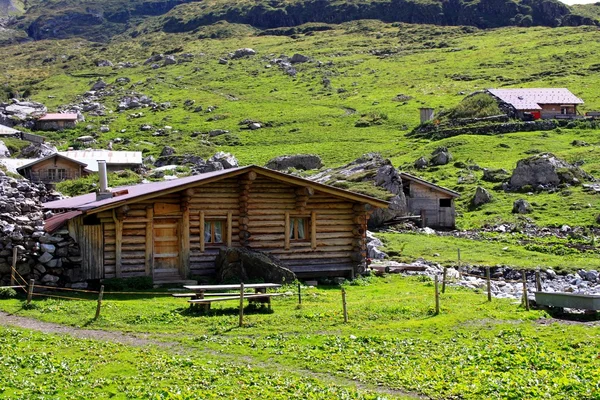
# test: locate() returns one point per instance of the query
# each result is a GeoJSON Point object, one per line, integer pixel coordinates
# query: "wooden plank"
{"type": "Point", "coordinates": [118, 244]}
{"type": "Point", "coordinates": [202, 231]}
{"type": "Point", "coordinates": [229, 228]}
{"type": "Point", "coordinates": [149, 256]}
{"type": "Point", "coordinates": [287, 231]}
{"type": "Point", "coordinates": [185, 241]}
{"type": "Point", "coordinates": [313, 230]}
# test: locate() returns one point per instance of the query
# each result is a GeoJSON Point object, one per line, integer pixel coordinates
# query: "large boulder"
{"type": "Point", "coordinates": [37, 150]}
{"type": "Point", "coordinates": [298, 161]}
{"type": "Point", "coordinates": [440, 156]}
{"type": "Point", "coordinates": [4, 152]}
{"type": "Point", "coordinates": [227, 160]}
{"type": "Point", "coordinates": [245, 52]}
{"type": "Point", "coordinates": [495, 175]}
{"type": "Point", "coordinates": [545, 171]}
{"type": "Point", "coordinates": [521, 207]}
{"type": "Point", "coordinates": [481, 197]}
{"type": "Point", "coordinates": [238, 264]}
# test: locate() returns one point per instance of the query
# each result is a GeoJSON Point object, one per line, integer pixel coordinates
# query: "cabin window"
{"type": "Point", "coordinates": [61, 173]}
{"type": "Point", "coordinates": [445, 202]}
{"type": "Point", "coordinates": [91, 220]}
{"type": "Point", "coordinates": [52, 174]}
{"type": "Point", "coordinates": [406, 187]}
{"type": "Point", "coordinates": [299, 228]}
{"type": "Point", "coordinates": [213, 231]}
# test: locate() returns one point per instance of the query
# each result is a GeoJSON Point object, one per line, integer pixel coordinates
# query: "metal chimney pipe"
{"type": "Point", "coordinates": [104, 191]}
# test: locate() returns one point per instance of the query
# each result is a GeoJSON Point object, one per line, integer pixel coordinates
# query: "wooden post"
{"type": "Point", "coordinates": [422, 218]}
{"type": "Point", "coordinates": [525, 299]}
{"type": "Point", "coordinates": [444, 280]}
{"type": "Point", "coordinates": [185, 240]}
{"type": "Point", "coordinates": [100, 295]}
{"type": "Point", "coordinates": [344, 305]}
{"type": "Point", "coordinates": [241, 304]}
{"type": "Point", "coordinates": [538, 281]}
{"type": "Point", "coordinates": [437, 295]}
{"type": "Point", "coordinates": [313, 230]}
{"type": "Point", "coordinates": [14, 266]}
{"type": "Point", "coordinates": [229, 228]}
{"type": "Point", "coordinates": [460, 275]}
{"type": "Point", "coordinates": [30, 291]}
{"type": "Point", "coordinates": [489, 283]}
{"type": "Point", "coordinates": [299, 294]}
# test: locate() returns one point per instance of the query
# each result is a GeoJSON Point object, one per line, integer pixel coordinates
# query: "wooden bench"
{"type": "Point", "coordinates": [259, 297]}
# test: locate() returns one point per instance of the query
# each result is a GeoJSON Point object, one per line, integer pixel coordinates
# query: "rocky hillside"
{"type": "Point", "coordinates": [101, 21]}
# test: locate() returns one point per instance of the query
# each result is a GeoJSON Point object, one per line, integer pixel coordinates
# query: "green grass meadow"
{"type": "Point", "coordinates": [393, 346]}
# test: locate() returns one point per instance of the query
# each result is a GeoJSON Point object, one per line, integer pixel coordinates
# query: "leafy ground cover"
{"type": "Point", "coordinates": [472, 350]}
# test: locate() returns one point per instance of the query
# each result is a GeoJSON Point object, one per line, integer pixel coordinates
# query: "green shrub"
{"type": "Point", "coordinates": [7, 293]}
{"type": "Point", "coordinates": [479, 105]}
{"type": "Point", "coordinates": [124, 284]}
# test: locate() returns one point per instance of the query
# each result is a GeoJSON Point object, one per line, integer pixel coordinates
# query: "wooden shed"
{"type": "Point", "coordinates": [53, 168]}
{"type": "Point", "coordinates": [173, 230]}
{"type": "Point", "coordinates": [434, 203]}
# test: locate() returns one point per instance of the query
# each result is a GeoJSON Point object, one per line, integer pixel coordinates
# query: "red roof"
{"type": "Point", "coordinates": [88, 201]}
{"type": "Point", "coordinates": [56, 221]}
{"type": "Point", "coordinates": [59, 117]}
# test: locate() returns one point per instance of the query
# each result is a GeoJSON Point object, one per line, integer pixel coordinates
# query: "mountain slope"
{"type": "Point", "coordinates": [101, 21]}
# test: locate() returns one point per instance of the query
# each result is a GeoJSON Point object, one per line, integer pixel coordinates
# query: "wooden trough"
{"type": "Point", "coordinates": [568, 300]}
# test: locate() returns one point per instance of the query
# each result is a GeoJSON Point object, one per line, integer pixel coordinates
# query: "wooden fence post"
{"type": "Point", "coordinates": [30, 291]}
{"type": "Point", "coordinates": [460, 275]}
{"type": "Point", "coordinates": [100, 295]}
{"type": "Point", "coordinates": [489, 283]}
{"type": "Point", "coordinates": [437, 296]}
{"type": "Point", "coordinates": [14, 265]}
{"type": "Point", "coordinates": [538, 281]}
{"type": "Point", "coordinates": [344, 305]}
{"type": "Point", "coordinates": [241, 304]}
{"type": "Point", "coordinates": [299, 294]}
{"type": "Point", "coordinates": [525, 299]}
{"type": "Point", "coordinates": [444, 280]}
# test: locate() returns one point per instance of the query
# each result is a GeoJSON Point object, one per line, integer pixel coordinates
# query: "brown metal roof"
{"type": "Point", "coordinates": [49, 157]}
{"type": "Point", "coordinates": [88, 201]}
{"type": "Point", "coordinates": [410, 177]}
{"type": "Point", "coordinates": [56, 221]}
{"type": "Point", "coordinates": [531, 99]}
{"type": "Point", "coordinates": [58, 117]}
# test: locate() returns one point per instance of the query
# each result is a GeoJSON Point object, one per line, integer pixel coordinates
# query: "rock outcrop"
{"type": "Point", "coordinates": [545, 172]}
{"type": "Point", "coordinates": [298, 161]}
{"type": "Point", "coordinates": [481, 197]}
{"type": "Point", "coordinates": [238, 264]}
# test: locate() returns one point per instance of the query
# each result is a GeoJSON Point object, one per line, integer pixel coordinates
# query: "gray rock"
{"type": "Point", "coordinates": [545, 171]}
{"type": "Point", "coordinates": [50, 279]}
{"type": "Point", "coordinates": [254, 126]}
{"type": "Point", "coordinates": [495, 175]}
{"type": "Point", "coordinates": [421, 163]}
{"type": "Point", "coordinates": [100, 84]}
{"type": "Point", "coordinates": [217, 132]}
{"type": "Point", "coordinates": [244, 52]}
{"type": "Point", "coordinates": [223, 61]}
{"type": "Point", "coordinates": [227, 160]}
{"type": "Point", "coordinates": [242, 265]}
{"type": "Point", "coordinates": [37, 150]}
{"type": "Point", "coordinates": [440, 156]}
{"type": "Point", "coordinates": [298, 161]}
{"type": "Point", "coordinates": [521, 207]}
{"type": "Point", "coordinates": [167, 151]}
{"type": "Point", "coordinates": [299, 58]}
{"type": "Point", "coordinates": [104, 128]}
{"type": "Point", "coordinates": [79, 285]}
{"type": "Point", "coordinates": [44, 258]}
{"type": "Point", "coordinates": [104, 63]}
{"type": "Point", "coordinates": [49, 248]}
{"type": "Point", "coordinates": [169, 60]}
{"type": "Point", "coordinates": [154, 58]}
{"type": "Point", "coordinates": [4, 152]}
{"type": "Point", "coordinates": [482, 196]}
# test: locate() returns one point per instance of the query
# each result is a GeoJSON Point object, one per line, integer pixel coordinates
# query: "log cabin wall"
{"type": "Point", "coordinates": [438, 206]}
{"type": "Point", "coordinates": [254, 211]}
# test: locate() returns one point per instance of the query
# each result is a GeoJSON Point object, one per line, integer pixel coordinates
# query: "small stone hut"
{"type": "Point", "coordinates": [173, 230]}
{"type": "Point", "coordinates": [56, 122]}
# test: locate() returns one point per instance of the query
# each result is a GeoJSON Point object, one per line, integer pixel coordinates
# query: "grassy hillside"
{"type": "Point", "coordinates": [360, 71]}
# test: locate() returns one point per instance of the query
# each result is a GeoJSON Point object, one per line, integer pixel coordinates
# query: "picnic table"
{"type": "Point", "coordinates": [205, 295]}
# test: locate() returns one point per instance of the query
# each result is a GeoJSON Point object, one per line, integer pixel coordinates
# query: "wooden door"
{"type": "Point", "coordinates": [91, 244]}
{"type": "Point", "coordinates": [166, 248]}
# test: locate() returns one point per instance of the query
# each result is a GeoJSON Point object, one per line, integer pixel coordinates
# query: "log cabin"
{"type": "Point", "coordinates": [53, 168]}
{"type": "Point", "coordinates": [544, 103]}
{"type": "Point", "coordinates": [172, 231]}
{"type": "Point", "coordinates": [435, 204]}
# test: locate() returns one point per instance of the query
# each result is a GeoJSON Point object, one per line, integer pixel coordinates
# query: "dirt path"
{"type": "Point", "coordinates": [141, 340]}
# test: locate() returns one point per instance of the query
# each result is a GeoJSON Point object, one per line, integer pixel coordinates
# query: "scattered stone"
{"type": "Point", "coordinates": [440, 156]}
{"type": "Point", "coordinates": [100, 84]}
{"type": "Point", "coordinates": [217, 132]}
{"type": "Point", "coordinates": [4, 152]}
{"type": "Point", "coordinates": [421, 163]}
{"type": "Point", "coordinates": [495, 175]}
{"type": "Point", "coordinates": [298, 161]}
{"type": "Point", "coordinates": [521, 207]}
{"type": "Point", "coordinates": [482, 196]}
{"type": "Point", "coordinates": [299, 58]}
{"type": "Point", "coordinates": [254, 126]}
{"type": "Point", "coordinates": [223, 61]}
{"type": "Point", "coordinates": [104, 63]}
{"type": "Point", "coordinates": [244, 52]}
{"type": "Point", "coordinates": [167, 151]}
{"type": "Point", "coordinates": [104, 128]}
{"type": "Point", "coordinates": [169, 60]}
{"type": "Point", "coordinates": [227, 160]}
